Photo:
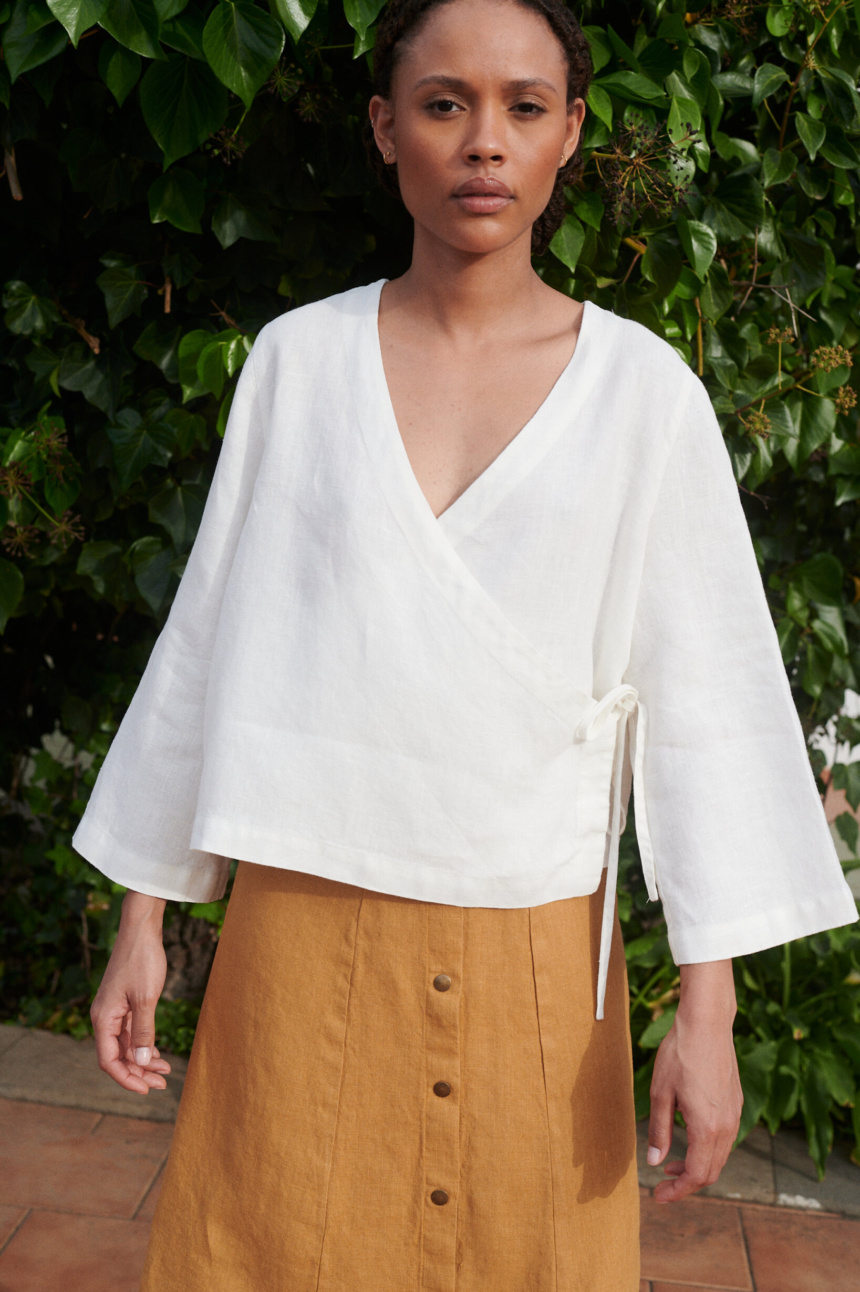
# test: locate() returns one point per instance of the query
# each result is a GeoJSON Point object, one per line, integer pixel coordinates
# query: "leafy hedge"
{"type": "Point", "coordinates": [178, 172]}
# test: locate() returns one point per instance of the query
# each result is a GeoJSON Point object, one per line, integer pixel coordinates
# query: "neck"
{"type": "Point", "coordinates": [460, 292]}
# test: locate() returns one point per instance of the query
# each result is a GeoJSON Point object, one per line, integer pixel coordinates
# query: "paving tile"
{"type": "Point", "coordinates": [10, 1219]}
{"type": "Point", "coordinates": [147, 1210]}
{"type": "Point", "coordinates": [797, 1183]}
{"type": "Point", "coordinates": [695, 1241]}
{"type": "Point", "coordinates": [748, 1174]}
{"type": "Point", "coordinates": [43, 1067]}
{"type": "Point", "coordinates": [792, 1251]}
{"type": "Point", "coordinates": [9, 1036]}
{"type": "Point", "coordinates": [54, 1252]}
{"type": "Point", "coordinates": [66, 1159]}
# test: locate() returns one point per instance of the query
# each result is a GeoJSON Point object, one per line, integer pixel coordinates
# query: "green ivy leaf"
{"type": "Point", "coordinates": [361, 14]}
{"type": "Point", "coordinates": [735, 208]}
{"type": "Point", "coordinates": [134, 24]}
{"type": "Point", "coordinates": [11, 591]}
{"type": "Point", "coordinates": [699, 243]}
{"type": "Point", "coordinates": [137, 444]}
{"type": "Point", "coordinates": [811, 132]}
{"type": "Point", "coordinates": [167, 9]}
{"type": "Point", "coordinates": [232, 221]}
{"type": "Point", "coordinates": [632, 87]}
{"type": "Point", "coordinates": [179, 197]}
{"type": "Point", "coordinates": [158, 343]}
{"type": "Point", "coordinates": [661, 264]}
{"type": "Point", "coordinates": [183, 102]}
{"type": "Point", "coordinates": [119, 68]}
{"type": "Point", "coordinates": [124, 292]}
{"type": "Point", "coordinates": [151, 569]}
{"type": "Point", "coordinates": [568, 241]}
{"type": "Point", "coordinates": [779, 19]}
{"type": "Point", "coordinates": [242, 45]}
{"type": "Point", "coordinates": [601, 104]}
{"type": "Point", "coordinates": [185, 33]}
{"type": "Point", "coordinates": [189, 351]}
{"type": "Point", "coordinates": [61, 494]}
{"type": "Point", "coordinates": [768, 78]}
{"type": "Point", "coordinates": [100, 562]}
{"type": "Point", "coordinates": [653, 1034]}
{"type": "Point", "coordinates": [179, 509]}
{"type": "Point", "coordinates": [27, 313]}
{"type": "Point", "coordinates": [32, 37]}
{"type": "Point", "coordinates": [296, 15]}
{"type": "Point", "coordinates": [821, 579]}
{"type": "Point", "coordinates": [589, 207]}
{"type": "Point", "coordinates": [777, 167]}
{"type": "Point", "coordinates": [684, 117]}
{"type": "Point", "coordinates": [77, 15]}
{"type": "Point", "coordinates": [829, 628]}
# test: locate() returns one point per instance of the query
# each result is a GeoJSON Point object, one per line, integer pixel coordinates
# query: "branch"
{"type": "Point", "coordinates": [10, 170]}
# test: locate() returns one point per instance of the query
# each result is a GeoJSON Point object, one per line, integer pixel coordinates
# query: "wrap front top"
{"type": "Point", "coordinates": [454, 709]}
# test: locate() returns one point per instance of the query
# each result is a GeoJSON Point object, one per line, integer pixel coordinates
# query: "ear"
{"type": "Point", "coordinates": [382, 118]}
{"type": "Point", "coordinates": [575, 119]}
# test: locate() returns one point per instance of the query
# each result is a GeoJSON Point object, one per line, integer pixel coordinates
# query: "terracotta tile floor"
{"type": "Point", "coordinates": [77, 1191]}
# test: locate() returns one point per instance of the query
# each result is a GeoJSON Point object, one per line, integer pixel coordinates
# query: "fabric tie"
{"type": "Point", "coordinates": [622, 704]}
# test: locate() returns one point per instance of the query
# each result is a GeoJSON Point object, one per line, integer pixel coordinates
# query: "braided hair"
{"type": "Point", "coordinates": [401, 18]}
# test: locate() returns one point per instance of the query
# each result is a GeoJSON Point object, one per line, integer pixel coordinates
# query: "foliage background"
{"type": "Point", "coordinates": [177, 173]}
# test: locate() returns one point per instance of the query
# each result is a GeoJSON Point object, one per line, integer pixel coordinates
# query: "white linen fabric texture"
{"type": "Point", "coordinates": [453, 709]}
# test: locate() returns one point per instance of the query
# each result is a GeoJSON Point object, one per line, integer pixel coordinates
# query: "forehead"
{"type": "Point", "coordinates": [481, 39]}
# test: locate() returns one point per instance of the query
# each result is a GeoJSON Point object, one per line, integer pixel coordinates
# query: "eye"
{"type": "Point", "coordinates": [527, 109]}
{"type": "Point", "coordinates": [443, 107]}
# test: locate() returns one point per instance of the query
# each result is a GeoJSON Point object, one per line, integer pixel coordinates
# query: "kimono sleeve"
{"type": "Point", "coordinates": [137, 824]}
{"type": "Point", "coordinates": [726, 801]}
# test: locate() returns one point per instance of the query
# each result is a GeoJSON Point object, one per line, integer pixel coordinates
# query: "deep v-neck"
{"type": "Point", "coordinates": [510, 464]}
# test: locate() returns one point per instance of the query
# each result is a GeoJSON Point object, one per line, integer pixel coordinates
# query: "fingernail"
{"type": "Point", "coordinates": [143, 1055]}
{"type": "Point", "coordinates": [653, 1156]}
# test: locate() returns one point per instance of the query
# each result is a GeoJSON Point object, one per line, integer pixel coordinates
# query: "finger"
{"type": "Point", "coordinates": [108, 1027]}
{"type": "Point", "coordinates": [696, 1170]}
{"type": "Point", "coordinates": [142, 1029]}
{"type": "Point", "coordinates": [660, 1127]}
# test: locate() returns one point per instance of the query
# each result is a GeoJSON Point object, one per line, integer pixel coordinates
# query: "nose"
{"type": "Point", "coordinates": [485, 139]}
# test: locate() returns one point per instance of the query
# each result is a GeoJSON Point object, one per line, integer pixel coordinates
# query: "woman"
{"type": "Point", "coordinates": [464, 536]}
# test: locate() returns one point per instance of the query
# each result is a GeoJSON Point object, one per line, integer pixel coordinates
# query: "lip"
{"type": "Point", "coordinates": [483, 195]}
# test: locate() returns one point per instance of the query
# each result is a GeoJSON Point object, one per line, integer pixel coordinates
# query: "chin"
{"type": "Point", "coordinates": [480, 236]}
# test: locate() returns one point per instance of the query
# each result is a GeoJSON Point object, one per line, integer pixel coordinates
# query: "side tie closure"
{"type": "Point", "coordinates": [622, 705]}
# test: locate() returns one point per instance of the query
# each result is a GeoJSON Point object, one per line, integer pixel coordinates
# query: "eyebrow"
{"type": "Point", "coordinates": [455, 83]}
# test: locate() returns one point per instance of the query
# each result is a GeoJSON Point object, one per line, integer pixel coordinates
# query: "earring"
{"type": "Point", "coordinates": [386, 155]}
{"type": "Point", "coordinates": [563, 161]}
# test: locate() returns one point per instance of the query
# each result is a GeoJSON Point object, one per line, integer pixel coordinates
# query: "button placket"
{"type": "Point", "coordinates": [441, 1107]}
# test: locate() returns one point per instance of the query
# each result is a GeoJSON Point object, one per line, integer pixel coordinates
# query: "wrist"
{"type": "Point", "coordinates": [140, 911]}
{"type": "Point", "coordinates": [708, 993]}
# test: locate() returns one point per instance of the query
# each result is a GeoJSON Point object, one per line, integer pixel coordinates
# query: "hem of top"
{"type": "Point", "coordinates": [755, 933]}
{"type": "Point", "coordinates": [172, 881]}
{"type": "Point", "coordinates": [382, 873]}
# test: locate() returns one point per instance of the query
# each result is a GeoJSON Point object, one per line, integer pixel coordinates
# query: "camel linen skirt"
{"type": "Point", "coordinates": [388, 1095]}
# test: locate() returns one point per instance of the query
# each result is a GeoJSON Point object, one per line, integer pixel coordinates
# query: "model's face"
{"type": "Point", "coordinates": [478, 122]}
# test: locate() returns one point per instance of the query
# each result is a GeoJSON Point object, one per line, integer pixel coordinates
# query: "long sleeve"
{"type": "Point", "coordinates": [137, 825]}
{"type": "Point", "coordinates": [740, 845]}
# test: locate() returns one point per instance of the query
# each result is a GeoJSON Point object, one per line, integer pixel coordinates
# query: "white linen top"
{"type": "Point", "coordinates": [453, 709]}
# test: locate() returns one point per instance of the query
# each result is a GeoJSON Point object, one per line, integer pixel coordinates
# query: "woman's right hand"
{"type": "Point", "coordinates": [123, 1012]}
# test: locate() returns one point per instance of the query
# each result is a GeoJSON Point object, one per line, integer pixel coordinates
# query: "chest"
{"type": "Point", "coordinates": [456, 412]}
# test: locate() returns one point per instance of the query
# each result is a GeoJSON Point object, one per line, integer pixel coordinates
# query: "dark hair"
{"type": "Point", "coordinates": [400, 19]}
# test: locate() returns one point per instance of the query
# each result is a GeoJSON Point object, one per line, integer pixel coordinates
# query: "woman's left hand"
{"type": "Point", "coordinates": [696, 1071]}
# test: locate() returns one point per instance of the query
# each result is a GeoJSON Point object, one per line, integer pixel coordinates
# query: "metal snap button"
{"type": "Point", "coordinates": [439, 1196]}
{"type": "Point", "coordinates": [441, 1089]}
{"type": "Point", "coordinates": [441, 982]}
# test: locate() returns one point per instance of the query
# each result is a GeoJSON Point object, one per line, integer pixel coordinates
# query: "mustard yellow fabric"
{"type": "Point", "coordinates": [310, 1140]}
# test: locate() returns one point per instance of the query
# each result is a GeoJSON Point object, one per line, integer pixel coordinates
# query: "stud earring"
{"type": "Point", "coordinates": [388, 154]}
{"type": "Point", "coordinates": [563, 160]}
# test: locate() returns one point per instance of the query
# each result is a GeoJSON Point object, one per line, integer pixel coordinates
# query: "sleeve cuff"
{"type": "Point", "coordinates": [199, 877]}
{"type": "Point", "coordinates": [744, 936]}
